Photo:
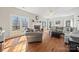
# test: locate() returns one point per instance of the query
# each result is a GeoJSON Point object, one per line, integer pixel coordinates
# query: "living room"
{"type": "Point", "coordinates": [39, 29]}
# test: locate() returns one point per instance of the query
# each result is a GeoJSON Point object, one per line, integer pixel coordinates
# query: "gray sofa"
{"type": "Point", "coordinates": [34, 36]}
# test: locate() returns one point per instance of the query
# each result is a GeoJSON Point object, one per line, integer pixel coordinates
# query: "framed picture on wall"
{"type": "Point", "coordinates": [36, 17]}
{"type": "Point", "coordinates": [57, 22]}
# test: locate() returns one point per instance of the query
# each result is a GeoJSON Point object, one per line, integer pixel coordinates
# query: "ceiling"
{"type": "Point", "coordinates": [49, 12]}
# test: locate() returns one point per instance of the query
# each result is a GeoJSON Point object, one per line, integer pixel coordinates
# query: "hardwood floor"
{"type": "Point", "coordinates": [48, 44]}
{"type": "Point", "coordinates": [0, 47]}
{"type": "Point", "coordinates": [18, 44]}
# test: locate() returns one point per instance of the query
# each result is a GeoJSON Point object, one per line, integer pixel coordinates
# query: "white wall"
{"type": "Point", "coordinates": [7, 12]}
{"type": "Point", "coordinates": [62, 20]}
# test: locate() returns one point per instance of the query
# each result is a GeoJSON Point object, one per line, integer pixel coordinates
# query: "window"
{"type": "Point", "coordinates": [19, 22]}
{"type": "Point", "coordinates": [15, 23]}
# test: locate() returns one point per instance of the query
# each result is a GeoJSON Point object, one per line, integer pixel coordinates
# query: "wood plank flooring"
{"type": "Point", "coordinates": [48, 44]}
{"type": "Point", "coordinates": [18, 44]}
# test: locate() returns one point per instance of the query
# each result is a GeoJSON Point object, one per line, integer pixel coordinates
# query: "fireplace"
{"type": "Point", "coordinates": [37, 27]}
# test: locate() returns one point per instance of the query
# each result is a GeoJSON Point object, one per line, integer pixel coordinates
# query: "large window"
{"type": "Point", "coordinates": [24, 21]}
{"type": "Point", "coordinates": [19, 22]}
{"type": "Point", "coordinates": [15, 23]}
